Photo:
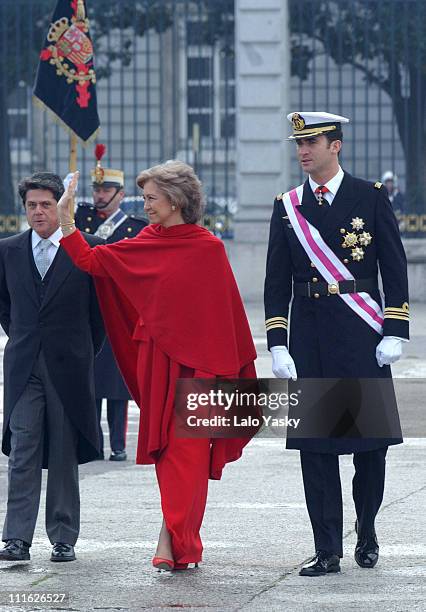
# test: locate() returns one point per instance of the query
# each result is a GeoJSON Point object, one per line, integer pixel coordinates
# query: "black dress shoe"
{"type": "Point", "coordinates": [366, 549]}
{"type": "Point", "coordinates": [62, 552]}
{"type": "Point", "coordinates": [323, 563]}
{"type": "Point", "coordinates": [15, 550]}
{"type": "Point", "coordinates": [118, 455]}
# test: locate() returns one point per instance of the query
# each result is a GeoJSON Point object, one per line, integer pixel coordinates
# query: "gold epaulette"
{"type": "Point", "coordinates": [378, 185]}
{"type": "Point", "coordinates": [275, 323]}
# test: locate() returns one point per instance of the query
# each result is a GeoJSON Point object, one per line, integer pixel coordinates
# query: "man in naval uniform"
{"type": "Point", "coordinates": [327, 240]}
{"type": "Point", "coordinates": [106, 220]}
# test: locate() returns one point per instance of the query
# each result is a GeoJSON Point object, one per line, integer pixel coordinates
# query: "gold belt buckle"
{"type": "Point", "coordinates": [333, 288]}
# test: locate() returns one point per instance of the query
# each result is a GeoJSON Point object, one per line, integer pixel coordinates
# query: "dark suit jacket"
{"type": "Point", "coordinates": [68, 327]}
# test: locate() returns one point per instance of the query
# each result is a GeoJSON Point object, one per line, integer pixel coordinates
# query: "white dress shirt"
{"type": "Point", "coordinates": [332, 185]}
{"type": "Point", "coordinates": [53, 248]}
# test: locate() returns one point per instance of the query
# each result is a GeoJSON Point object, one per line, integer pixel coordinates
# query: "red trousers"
{"type": "Point", "coordinates": [183, 465]}
{"type": "Point", "coordinates": [183, 475]}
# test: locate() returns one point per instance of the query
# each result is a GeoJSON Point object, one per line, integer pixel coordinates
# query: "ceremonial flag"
{"type": "Point", "coordinates": [66, 78]}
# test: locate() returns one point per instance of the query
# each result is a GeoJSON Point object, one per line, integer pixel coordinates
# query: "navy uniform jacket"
{"type": "Point", "coordinates": [327, 339]}
{"type": "Point", "coordinates": [108, 380]}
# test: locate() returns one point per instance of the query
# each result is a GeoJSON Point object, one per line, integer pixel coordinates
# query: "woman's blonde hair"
{"type": "Point", "coordinates": [181, 186]}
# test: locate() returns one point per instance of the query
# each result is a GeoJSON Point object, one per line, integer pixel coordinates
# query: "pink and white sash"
{"type": "Point", "coordinates": [328, 264]}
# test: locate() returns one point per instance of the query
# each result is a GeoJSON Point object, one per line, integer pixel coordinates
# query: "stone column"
{"type": "Point", "coordinates": [263, 95]}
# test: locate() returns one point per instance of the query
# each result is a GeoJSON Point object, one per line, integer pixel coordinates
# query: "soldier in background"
{"type": "Point", "coordinates": [390, 181]}
{"type": "Point", "coordinates": [107, 220]}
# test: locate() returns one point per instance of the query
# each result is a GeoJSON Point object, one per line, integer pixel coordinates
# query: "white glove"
{"type": "Point", "coordinates": [67, 181]}
{"type": "Point", "coordinates": [283, 365]}
{"type": "Point", "coordinates": [388, 350]}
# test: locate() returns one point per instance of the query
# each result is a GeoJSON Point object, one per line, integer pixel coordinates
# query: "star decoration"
{"type": "Point", "coordinates": [357, 254]}
{"type": "Point", "coordinates": [364, 239]}
{"type": "Point", "coordinates": [357, 223]}
{"type": "Point", "coordinates": [350, 240]}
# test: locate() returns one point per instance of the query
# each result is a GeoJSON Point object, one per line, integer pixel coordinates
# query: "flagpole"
{"type": "Point", "coordinates": [73, 153]}
{"type": "Point", "coordinates": [73, 165]}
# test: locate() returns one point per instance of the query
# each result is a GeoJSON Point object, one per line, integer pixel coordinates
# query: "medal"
{"type": "Point", "coordinates": [351, 239]}
{"type": "Point", "coordinates": [364, 238]}
{"type": "Point", "coordinates": [357, 223]}
{"type": "Point", "coordinates": [105, 230]}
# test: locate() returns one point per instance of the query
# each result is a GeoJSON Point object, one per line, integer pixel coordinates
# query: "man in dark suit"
{"type": "Point", "coordinates": [49, 310]}
{"type": "Point", "coordinates": [328, 238]}
{"type": "Point", "coordinates": [107, 220]}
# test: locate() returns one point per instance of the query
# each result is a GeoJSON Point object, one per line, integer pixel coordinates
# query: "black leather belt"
{"type": "Point", "coordinates": [320, 289]}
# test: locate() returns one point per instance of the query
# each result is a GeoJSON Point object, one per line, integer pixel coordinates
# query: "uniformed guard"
{"type": "Point", "coordinates": [327, 239]}
{"type": "Point", "coordinates": [390, 181]}
{"type": "Point", "coordinates": [107, 220]}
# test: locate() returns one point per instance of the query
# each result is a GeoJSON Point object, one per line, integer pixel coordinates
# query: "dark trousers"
{"type": "Point", "coordinates": [323, 493]}
{"type": "Point", "coordinates": [39, 412]}
{"type": "Point", "coordinates": [117, 423]}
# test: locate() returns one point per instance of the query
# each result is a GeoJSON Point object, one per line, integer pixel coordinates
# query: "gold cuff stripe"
{"type": "Point", "coordinates": [398, 310]}
{"type": "Point", "coordinates": [403, 314]}
{"type": "Point", "coordinates": [273, 319]}
{"type": "Point", "coordinates": [277, 323]}
{"type": "Point", "coordinates": [394, 316]}
{"type": "Point", "coordinates": [276, 326]}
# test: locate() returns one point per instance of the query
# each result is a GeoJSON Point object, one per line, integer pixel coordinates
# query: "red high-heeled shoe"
{"type": "Point", "coordinates": [163, 564]}
{"type": "Point", "coordinates": [183, 566]}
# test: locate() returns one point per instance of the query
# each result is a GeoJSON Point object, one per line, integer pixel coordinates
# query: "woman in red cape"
{"type": "Point", "coordinates": [172, 310]}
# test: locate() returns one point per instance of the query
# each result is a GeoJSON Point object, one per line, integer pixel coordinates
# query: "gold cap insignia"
{"type": "Point", "coordinates": [298, 122]}
{"type": "Point", "coordinates": [99, 174]}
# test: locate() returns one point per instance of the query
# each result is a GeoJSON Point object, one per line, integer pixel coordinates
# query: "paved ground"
{"type": "Point", "coordinates": [256, 531]}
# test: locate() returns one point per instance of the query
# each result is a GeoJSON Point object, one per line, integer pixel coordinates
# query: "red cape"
{"type": "Point", "coordinates": [179, 283]}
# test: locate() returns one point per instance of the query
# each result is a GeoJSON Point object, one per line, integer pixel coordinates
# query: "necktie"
{"type": "Point", "coordinates": [319, 192]}
{"type": "Point", "coordinates": [42, 260]}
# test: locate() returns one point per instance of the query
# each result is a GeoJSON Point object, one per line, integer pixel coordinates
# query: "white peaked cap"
{"type": "Point", "coordinates": [306, 124]}
{"type": "Point", "coordinates": [388, 176]}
